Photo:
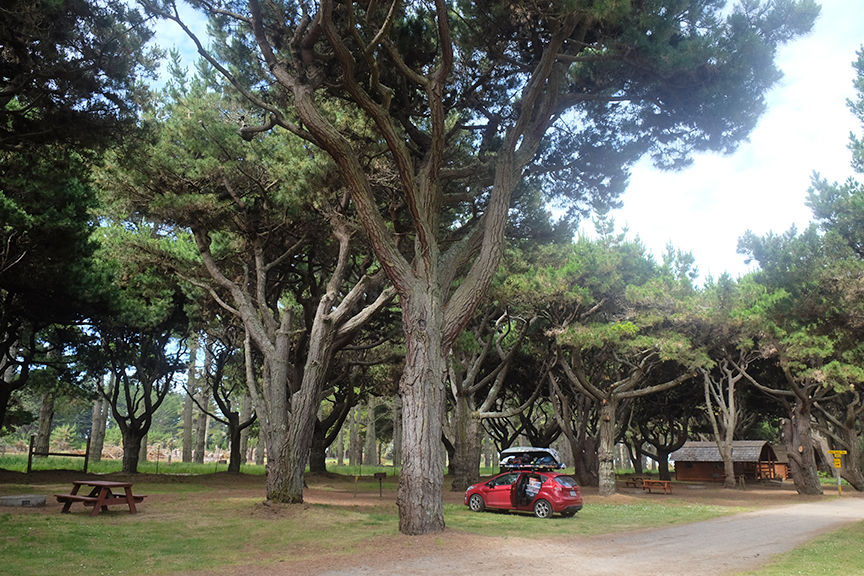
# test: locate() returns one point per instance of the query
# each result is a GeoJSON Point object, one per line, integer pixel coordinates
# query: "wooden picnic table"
{"type": "Point", "coordinates": [636, 481]}
{"type": "Point", "coordinates": [665, 485]}
{"type": "Point", "coordinates": [101, 496]}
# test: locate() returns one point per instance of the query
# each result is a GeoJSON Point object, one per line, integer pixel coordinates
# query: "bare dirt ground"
{"type": "Point", "coordinates": [783, 521]}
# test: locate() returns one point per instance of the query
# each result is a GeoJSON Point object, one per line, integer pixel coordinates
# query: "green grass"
{"type": "Point", "coordinates": [593, 520]}
{"type": "Point", "coordinates": [229, 532]}
{"type": "Point", "coordinates": [190, 528]}
{"type": "Point", "coordinates": [18, 463]}
{"type": "Point", "coordinates": [201, 522]}
{"type": "Point", "coordinates": [837, 553]}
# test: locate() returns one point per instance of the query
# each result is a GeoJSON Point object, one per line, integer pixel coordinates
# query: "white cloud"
{"type": "Point", "coordinates": [762, 187]}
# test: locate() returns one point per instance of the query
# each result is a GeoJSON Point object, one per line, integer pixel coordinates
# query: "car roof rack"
{"type": "Point", "coordinates": [529, 458]}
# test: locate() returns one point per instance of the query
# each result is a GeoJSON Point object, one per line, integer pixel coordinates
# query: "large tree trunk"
{"type": "Point", "coordinates": [370, 450]}
{"type": "Point", "coordinates": [245, 414]}
{"type": "Point", "coordinates": [663, 464]}
{"type": "Point", "coordinates": [851, 471]}
{"type": "Point", "coordinates": [188, 423]}
{"type": "Point", "coordinates": [234, 433]}
{"type": "Point", "coordinates": [142, 451]}
{"type": "Point", "coordinates": [354, 450]}
{"type": "Point", "coordinates": [131, 449]}
{"type": "Point", "coordinates": [467, 443]}
{"type": "Point", "coordinates": [318, 451]}
{"type": "Point", "coordinates": [728, 463]}
{"type": "Point", "coordinates": [606, 449]}
{"type": "Point", "coordinates": [99, 423]}
{"type": "Point", "coordinates": [296, 443]}
{"type": "Point", "coordinates": [585, 451]}
{"type": "Point", "coordinates": [201, 429]}
{"type": "Point", "coordinates": [260, 451]}
{"type": "Point", "coordinates": [46, 418]}
{"type": "Point", "coordinates": [340, 447]}
{"type": "Point", "coordinates": [421, 483]}
{"type": "Point", "coordinates": [273, 420]}
{"type": "Point", "coordinates": [799, 449]}
{"type": "Point", "coordinates": [189, 403]}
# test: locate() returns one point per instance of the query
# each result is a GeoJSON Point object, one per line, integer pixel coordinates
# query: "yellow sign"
{"type": "Point", "coordinates": [837, 463]}
{"type": "Point", "coordinates": [836, 452]}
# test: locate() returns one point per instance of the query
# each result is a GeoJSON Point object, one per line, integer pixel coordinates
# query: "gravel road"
{"type": "Point", "coordinates": [710, 548]}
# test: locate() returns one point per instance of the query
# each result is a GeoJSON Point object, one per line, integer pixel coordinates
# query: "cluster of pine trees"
{"type": "Point", "coordinates": [349, 202]}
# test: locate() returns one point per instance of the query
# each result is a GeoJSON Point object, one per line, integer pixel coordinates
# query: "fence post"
{"type": "Point", "coordinates": [87, 453]}
{"type": "Point", "coordinates": [30, 454]}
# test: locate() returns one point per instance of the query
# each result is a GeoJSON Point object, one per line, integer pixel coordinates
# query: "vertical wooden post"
{"type": "Point", "coordinates": [87, 452]}
{"type": "Point", "coordinates": [30, 454]}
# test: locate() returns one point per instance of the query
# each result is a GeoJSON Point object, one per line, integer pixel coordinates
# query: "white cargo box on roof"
{"type": "Point", "coordinates": [530, 458]}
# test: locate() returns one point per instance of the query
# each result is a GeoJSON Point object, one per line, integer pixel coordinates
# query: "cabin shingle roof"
{"type": "Point", "coordinates": [742, 451]}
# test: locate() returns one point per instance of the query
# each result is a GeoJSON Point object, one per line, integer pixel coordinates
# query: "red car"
{"type": "Point", "coordinates": [544, 493]}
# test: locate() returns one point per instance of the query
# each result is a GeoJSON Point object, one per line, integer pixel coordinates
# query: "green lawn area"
{"type": "Point", "coordinates": [197, 520]}
{"type": "Point", "coordinates": [183, 516]}
{"type": "Point", "coordinates": [838, 553]}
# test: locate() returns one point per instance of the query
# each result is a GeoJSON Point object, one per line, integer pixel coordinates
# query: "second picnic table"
{"type": "Point", "coordinates": [101, 496]}
{"type": "Point", "coordinates": [665, 485]}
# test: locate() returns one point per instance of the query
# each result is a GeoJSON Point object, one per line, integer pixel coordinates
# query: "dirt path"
{"type": "Point", "coordinates": [711, 548]}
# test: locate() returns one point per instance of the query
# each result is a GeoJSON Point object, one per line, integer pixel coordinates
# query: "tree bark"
{"type": "Point", "coordinates": [370, 450]}
{"type": "Point", "coordinates": [799, 449]}
{"type": "Point", "coordinates": [467, 441]}
{"type": "Point", "coordinates": [397, 432]}
{"type": "Point", "coordinates": [606, 449]}
{"type": "Point", "coordinates": [100, 426]}
{"type": "Point", "coordinates": [131, 450]}
{"type": "Point", "coordinates": [142, 454]}
{"type": "Point", "coordinates": [245, 414]}
{"type": "Point", "coordinates": [318, 450]}
{"type": "Point", "coordinates": [202, 427]}
{"type": "Point", "coordinates": [260, 451]}
{"type": "Point", "coordinates": [851, 470]}
{"type": "Point", "coordinates": [340, 447]}
{"type": "Point", "coordinates": [354, 451]}
{"type": "Point", "coordinates": [202, 419]}
{"type": "Point", "coordinates": [46, 418]}
{"type": "Point", "coordinates": [189, 402]}
{"type": "Point", "coordinates": [420, 493]}
{"type": "Point", "coordinates": [235, 431]}
{"type": "Point", "coordinates": [95, 454]}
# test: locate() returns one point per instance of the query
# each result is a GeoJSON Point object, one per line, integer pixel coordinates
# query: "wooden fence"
{"type": "Point", "coordinates": [32, 453]}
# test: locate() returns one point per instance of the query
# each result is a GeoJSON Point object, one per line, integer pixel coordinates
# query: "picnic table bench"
{"type": "Point", "coordinates": [666, 485]}
{"type": "Point", "coordinates": [636, 481]}
{"type": "Point", "coordinates": [101, 496]}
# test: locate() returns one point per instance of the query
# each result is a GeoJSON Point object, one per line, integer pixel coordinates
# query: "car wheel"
{"type": "Point", "coordinates": [542, 509]}
{"type": "Point", "coordinates": [476, 503]}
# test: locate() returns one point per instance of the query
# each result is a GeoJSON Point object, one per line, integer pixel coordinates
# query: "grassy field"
{"type": "Point", "coordinates": [193, 519]}
{"type": "Point", "coordinates": [18, 463]}
{"type": "Point", "coordinates": [838, 553]}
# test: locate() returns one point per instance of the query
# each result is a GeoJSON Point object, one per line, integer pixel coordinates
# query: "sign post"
{"type": "Point", "coordinates": [837, 465]}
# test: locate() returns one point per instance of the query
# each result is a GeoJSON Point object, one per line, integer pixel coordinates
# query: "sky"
{"type": "Point", "coordinates": [762, 186]}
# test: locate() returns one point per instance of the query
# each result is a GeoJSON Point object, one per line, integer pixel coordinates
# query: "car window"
{"type": "Point", "coordinates": [503, 479]}
{"type": "Point", "coordinates": [566, 481]}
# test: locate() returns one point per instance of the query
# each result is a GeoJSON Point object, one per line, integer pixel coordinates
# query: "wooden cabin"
{"type": "Point", "coordinates": [753, 460]}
